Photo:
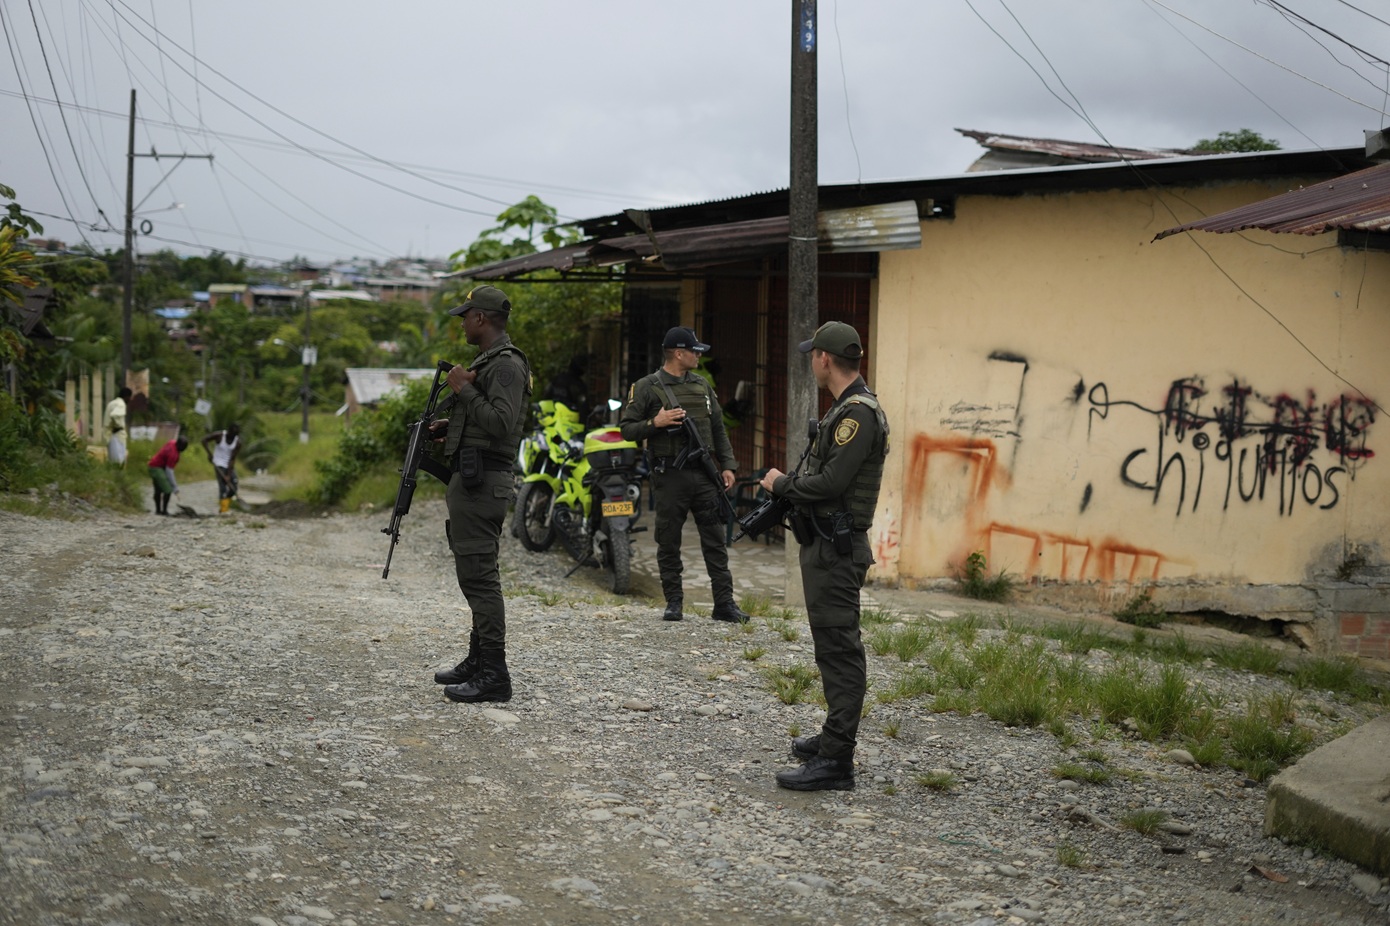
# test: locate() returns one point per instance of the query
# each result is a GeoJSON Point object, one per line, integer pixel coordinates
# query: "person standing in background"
{"type": "Point", "coordinates": [223, 456]}
{"type": "Point", "coordinates": [116, 447]}
{"type": "Point", "coordinates": [162, 473]}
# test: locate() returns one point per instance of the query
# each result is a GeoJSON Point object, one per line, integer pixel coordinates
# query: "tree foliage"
{"type": "Point", "coordinates": [1243, 140]}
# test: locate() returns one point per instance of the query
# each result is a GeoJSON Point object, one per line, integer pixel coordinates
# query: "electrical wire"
{"type": "Point", "coordinates": [844, 81]}
{"type": "Point", "coordinates": [1269, 60]}
{"type": "Point", "coordinates": [48, 158]}
{"type": "Point", "coordinates": [1298, 22]}
{"type": "Point", "coordinates": [1159, 195]}
{"type": "Point", "coordinates": [316, 131]}
{"type": "Point", "coordinates": [1203, 52]}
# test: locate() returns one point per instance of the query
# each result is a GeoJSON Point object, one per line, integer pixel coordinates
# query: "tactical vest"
{"type": "Point", "coordinates": [861, 498]}
{"type": "Point", "coordinates": [695, 396]}
{"type": "Point", "coordinates": [464, 432]}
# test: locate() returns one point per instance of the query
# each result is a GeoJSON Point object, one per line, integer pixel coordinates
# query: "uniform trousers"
{"type": "Point", "coordinates": [474, 530]}
{"type": "Point", "coordinates": [678, 492]}
{"type": "Point", "coordinates": [831, 583]}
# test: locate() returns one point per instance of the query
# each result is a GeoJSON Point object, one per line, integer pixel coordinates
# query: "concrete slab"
{"type": "Point", "coordinates": [1338, 796]}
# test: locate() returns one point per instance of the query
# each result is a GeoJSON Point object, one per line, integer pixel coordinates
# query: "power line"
{"type": "Point", "coordinates": [306, 125]}
{"type": "Point", "coordinates": [14, 59]}
{"type": "Point", "coordinates": [840, 48]}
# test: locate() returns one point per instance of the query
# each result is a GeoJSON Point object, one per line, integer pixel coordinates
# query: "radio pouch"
{"type": "Point", "coordinates": [470, 464]}
{"type": "Point", "coordinates": [842, 534]}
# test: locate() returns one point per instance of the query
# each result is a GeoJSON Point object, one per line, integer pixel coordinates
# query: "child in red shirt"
{"type": "Point", "coordinates": [162, 473]}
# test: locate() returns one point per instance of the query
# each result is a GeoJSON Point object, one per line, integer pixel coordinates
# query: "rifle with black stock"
{"type": "Point", "coordinates": [696, 452]}
{"type": "Point", "coordinates": [415, 460]}
{"type": "Point", "coordinates": [773, 510]}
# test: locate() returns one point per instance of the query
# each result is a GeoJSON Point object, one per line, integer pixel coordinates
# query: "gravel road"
{"type": "Point", "coordinates": [232, 720]}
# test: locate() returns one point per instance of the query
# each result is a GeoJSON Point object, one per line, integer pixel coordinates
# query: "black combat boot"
{"type": "Point", "coordinates": [729, 611]}
{"type": "Point", "coordinates": [492, 683]}
{"type": "Point", "coordinates": [820, 774]}
{"type": "Point", "coordinates": [465, 670]}
{"type": "Point", "coordinates": [673, 610]}
{"type": "Point", "coordinates": [806, 747]}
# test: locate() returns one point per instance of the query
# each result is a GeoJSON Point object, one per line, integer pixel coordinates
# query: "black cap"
{"type": "Point", "coordinates": [488, 298]}
{"type": "Point", "coordinates": [683, 338]}
{"type": "Point", "coordinates": [835, 338]}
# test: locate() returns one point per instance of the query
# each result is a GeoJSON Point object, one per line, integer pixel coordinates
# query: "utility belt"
{"type": "Point", "coordinates": [662, 464]}
{"type": "Point", "coordinates": [471, 462]}
{"type": "Point", "coordinates": [838, 528]}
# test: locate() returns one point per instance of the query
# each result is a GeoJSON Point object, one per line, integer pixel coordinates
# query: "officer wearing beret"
{"type": "Point", "coordinates": [656, 406]}
{"type": "Point", "coordinates": [484, 426]}
{"type": "Point", "coordinates": [835, 497]}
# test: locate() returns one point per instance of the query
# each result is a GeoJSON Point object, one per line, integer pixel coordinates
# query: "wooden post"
{"type": "Point", "coordinates": [70, 406]}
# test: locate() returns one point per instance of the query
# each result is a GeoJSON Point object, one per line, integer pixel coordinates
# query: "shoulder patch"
{"type": "Point", "coordinates": [631, 391]}
{"type": "Point", "coordinates": [505, 374]}
{"type": "Point", "coordinates": [845, 431]}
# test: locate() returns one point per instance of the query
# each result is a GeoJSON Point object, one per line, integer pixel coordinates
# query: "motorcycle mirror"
{"type": "Point", "coordinates": [614, 405]}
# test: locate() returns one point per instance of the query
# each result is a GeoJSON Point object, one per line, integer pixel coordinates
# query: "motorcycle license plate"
{"type": "Point", "coordinates": [615, 509]}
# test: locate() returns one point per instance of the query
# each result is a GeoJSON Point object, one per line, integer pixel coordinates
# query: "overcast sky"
{"type": "Point", "coordinates": [463, 107]}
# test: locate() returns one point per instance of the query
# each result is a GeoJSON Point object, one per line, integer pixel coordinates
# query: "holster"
{"type": "Point", "coordinates": [802, 529]}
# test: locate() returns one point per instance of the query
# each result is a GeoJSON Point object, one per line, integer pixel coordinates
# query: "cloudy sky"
{"type": "Point", "coordinates": [341, 128]}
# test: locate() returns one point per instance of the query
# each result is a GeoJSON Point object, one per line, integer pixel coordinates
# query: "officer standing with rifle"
{"type": "Point", "coordinates": [484, 428]}
{"type": "Point", "coordinates": [834, 498]}
{"type": "Point", "coordinates": [675, 411]}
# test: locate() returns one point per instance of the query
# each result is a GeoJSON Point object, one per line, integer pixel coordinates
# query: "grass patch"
{"type": "Point", "coordinates": [1337, 675]}
{"type": "Point", "coordinates": [937, 781]}
{"type": "Point", "coordinates": [757, 605]}
{"type": "Point", "coordinates": [1076, 771]}
{"type": "Point", "coordinates": [786, 631]}
{"type": "Point", "coordinates": [947, 701]}
{"type": "Point", "coordinates": [1018, 691]}
{"type": "Point", "coordinates": [976, 582]}
{"type": "Point", "coordinates": [871, 616]}
{"type": "Point", "coordinates": [790, 684]}
{"type": "Point", "coordinates": [965, 628]}
{"type": "Point", "coordinates": [1079, 639]}
{"type": "Point", "coordinates": [892, 729]}
{"type": "Point", "coordinates": [1260, 743]}
{"type": "Point", "coordinates": [1144, 821]}
{"type": "Point", "coordinates": [907, 643]}
{"type": "Point", "coordinates": [754, 653]}
{"type": "Point", "coordinates": [911, 685]}
{"type": "Point", "coordinates": [1070, 855]}
{"type": "Point", "coordinates": [1140, 611]}
{"type": "Point", "coordinates": [1248, 657]}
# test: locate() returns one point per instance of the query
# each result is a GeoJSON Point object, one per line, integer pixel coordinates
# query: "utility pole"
{"type": "Point", "coordinates": [802, 267]}
{"type": "Point", "coordinates": [128, 300]}
{"type": "Point", "coordinates": [309, 355]}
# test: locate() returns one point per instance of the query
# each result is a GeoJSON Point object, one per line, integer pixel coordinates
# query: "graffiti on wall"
{"type": "Point", "coordinates": [1244, 447]}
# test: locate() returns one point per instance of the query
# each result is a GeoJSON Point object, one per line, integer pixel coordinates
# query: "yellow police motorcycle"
{"type": "Point", "coordinates": [546, 451]}
{"type": "Point", "coordinates": [592, 503]}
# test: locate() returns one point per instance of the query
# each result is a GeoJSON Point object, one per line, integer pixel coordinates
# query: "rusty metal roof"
{"type": "Point", "coordinates": [1074, 150]}
{"type": "Point", "coordinates": [1358, 201]}
{"type": "Point", "coordinates": [881, 227]}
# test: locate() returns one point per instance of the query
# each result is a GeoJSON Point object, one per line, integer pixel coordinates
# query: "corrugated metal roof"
{"type": "Point", "coordinates": [1074, 150]}
{"type": "Point", "coordinates": [1359, 201]}
{"type": "Point", "coordinates": [882, 227]}
{"type": "Point", "coordinates": [371, 384]}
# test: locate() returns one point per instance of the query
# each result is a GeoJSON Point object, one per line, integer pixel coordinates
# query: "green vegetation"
{"type": "Point", "coordinates": [1248, 657]}
{"type": "Point", "coordinates": [1091, 773]}
{"type": "Point", "coordinates": [1241, 140]}
{"type": "Point", "coordinates": [907, 643]}
{"type": "Point", "coordinates": [938, 781]}
{"type": "Point", "coordinates": [754, 653]}
{"type": "Point", "coordinates": [1070, 855]}
{"type": "Point", "coordinates": [1144, 821]}
{"type": "Point", "coordinates": [1140, 611]}
{"type": "Point", "coordinates": [976, 582]}
{"type": "Point", "coordinates": [792, 683]}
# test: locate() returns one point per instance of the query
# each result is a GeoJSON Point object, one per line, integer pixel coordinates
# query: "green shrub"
{"type": "Point", "coordinates": [1140, 611]}
{"type": "Point", "coordinates": [976, 582]}
{"type": "Point", "coordinates": [377, 435]}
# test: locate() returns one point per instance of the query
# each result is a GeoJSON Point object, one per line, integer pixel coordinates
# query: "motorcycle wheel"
{"type": "Point", "coordinates": [619, 564]}
{"type": "Point", "coordinates": [532, 505]}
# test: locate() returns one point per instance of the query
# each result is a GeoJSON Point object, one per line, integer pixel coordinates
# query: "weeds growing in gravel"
{"type": "Point", "coordinates": [754, 653]}
{"type": "Point", "coordinates": [1260, 746]}
{"type": "Point", "coordinates": [757, 605]}
{"type": "Point", "coordinates": [965, 628]}
{"type": "Point", "coordinates": [911, 685]}
{"type": "Point", "coordinates": [1070, 855]}
{"type": "Point", "coordinates": [892, 729]}
{"type": "Point", "coordinates": [871, 616]}
{"type": "Point", "coordinates": [1335, 675]}
{"type": "Point", "coordinates": [1091, 774]}
{"type": "Point", "coordinates": [1144, 821]}
{"type": "Point", "coordinates": [791, 683]}
{"type": "Point", "coordinates": [937, 781]}
{"type": "Point", "coordinates": [1248, 657]}
{"type": "Point", "coordinates": [907, 643]}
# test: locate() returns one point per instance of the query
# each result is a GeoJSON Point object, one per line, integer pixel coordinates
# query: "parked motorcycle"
{"type": "Point", "coordinates": [546, 453]}
{"type": "Point", "coordinates": [591, 504]}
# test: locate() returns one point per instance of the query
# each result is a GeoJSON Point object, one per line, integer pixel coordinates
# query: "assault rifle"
{"type": "Point", "coordinates": [697, 453]}
{"type": "Point", "coordinates": [415, 460]}
{"type": "Point", "coordinates": [772, 511]}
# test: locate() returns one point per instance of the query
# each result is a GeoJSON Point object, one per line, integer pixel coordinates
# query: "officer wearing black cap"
{"type": "Point", "coordinates": [835, 497]}
{"type": "Point", "coordinates": [484, 429]}
{"type": "Point", "coordinates": [656, 406]}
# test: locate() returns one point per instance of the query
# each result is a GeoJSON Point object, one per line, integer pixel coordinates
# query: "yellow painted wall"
{"type": "Point", "coordinates": [1029, 348]}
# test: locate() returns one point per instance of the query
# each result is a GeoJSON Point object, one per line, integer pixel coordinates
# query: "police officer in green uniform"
{"type": "Point", "coordinates": [835, 498]}
{"type": "Point", "coordinates": [484, 427]}
{"type": "Point", "coordinates": [656, 406]}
